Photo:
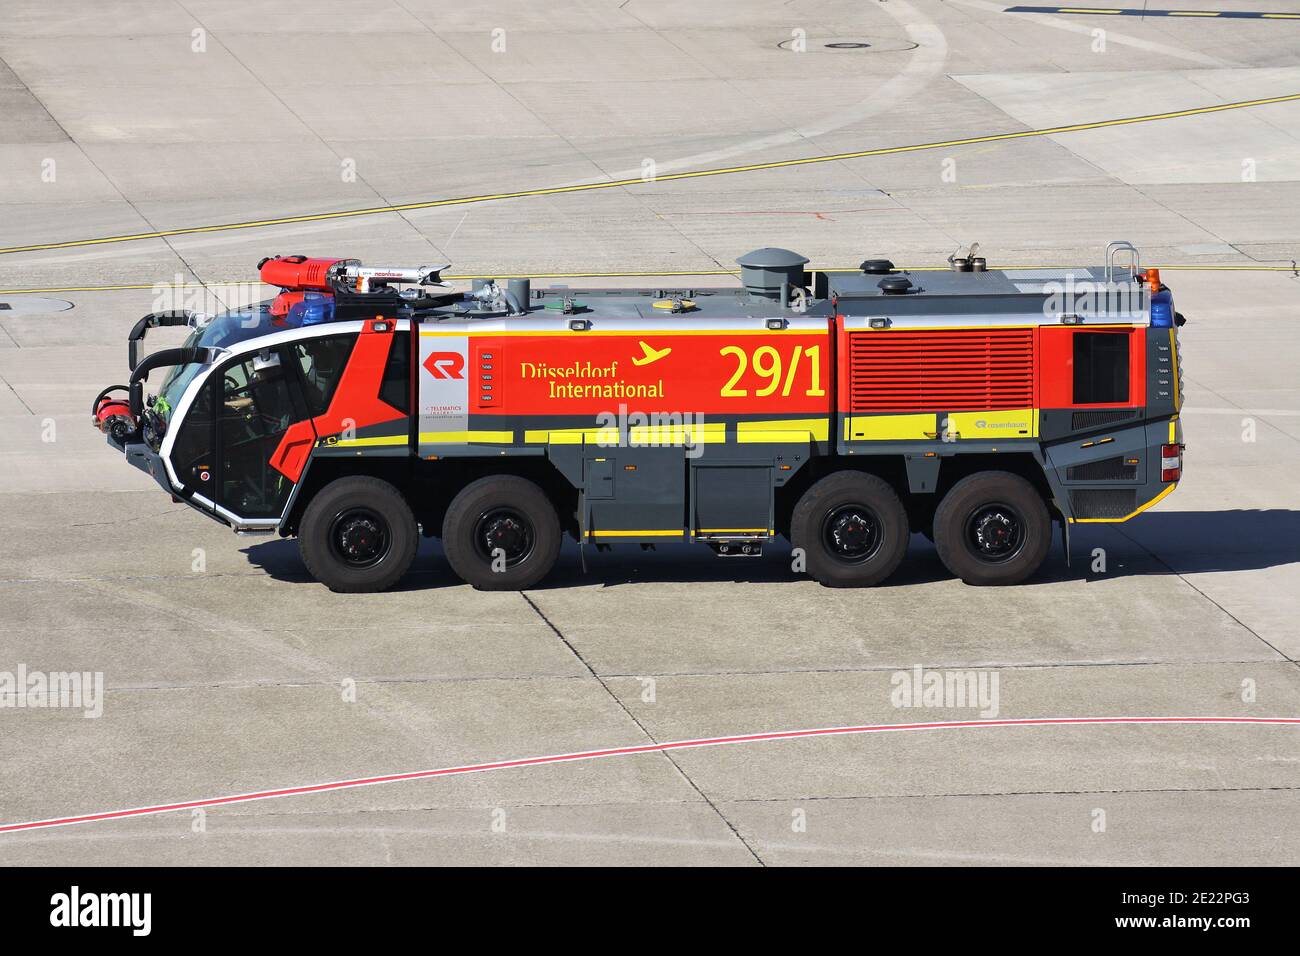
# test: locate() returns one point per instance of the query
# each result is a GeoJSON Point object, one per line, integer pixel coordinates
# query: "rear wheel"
{"type": "Point", "coordinates": [501, 534]}
{"type": "Point", "coordinates": [992, 528]}
{"type": "Point", "coordinates": [852, 529]}
{"type": "Point", "coordinates": [358, 534]}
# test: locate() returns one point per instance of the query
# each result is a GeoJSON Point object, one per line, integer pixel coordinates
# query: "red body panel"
{"type": "Point", "coordinates": [975, 370]}
{"type": "Point", "coordinates": [355, 403]}
{"type": "Point", "coordinates": [787, 373]}
{"type": "Point", "coordinates": [929, 370]}
{"type": "Point", "coordinates": [1056, 367]}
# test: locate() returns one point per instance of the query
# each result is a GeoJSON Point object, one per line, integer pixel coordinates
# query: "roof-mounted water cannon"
{"type": "Point", "coordinates": [303, 274]}
{"type": "Point", "coordinates": [300, 273]}
{"type": "Point", "coordinates": [361, 278]}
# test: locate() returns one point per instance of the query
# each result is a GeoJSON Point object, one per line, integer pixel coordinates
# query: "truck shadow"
{"type": "Point", "coordinates": [1169, 542]}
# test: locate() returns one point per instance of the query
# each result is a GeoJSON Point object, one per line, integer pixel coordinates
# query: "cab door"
{"type": "Point", "coordinates": [259, 395]}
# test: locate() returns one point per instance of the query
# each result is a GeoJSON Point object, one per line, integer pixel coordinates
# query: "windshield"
{"type": "Point", "coordinates": [225, 330]}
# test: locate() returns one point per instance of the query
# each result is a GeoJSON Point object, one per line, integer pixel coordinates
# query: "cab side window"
{"type": "Point", "coordinates": [395, 389]}
{"type": "Point", "coordinates": [1101, 368]}
{"type": "Point", "coordinates": [322, 361]}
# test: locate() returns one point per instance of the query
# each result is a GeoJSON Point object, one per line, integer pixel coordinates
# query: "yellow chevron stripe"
{"type": "Point", "coordinates": [1131, 514]}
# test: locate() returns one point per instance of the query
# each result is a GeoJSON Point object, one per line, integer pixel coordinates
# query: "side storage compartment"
{"type": "Point", "coordinates": [633, 493]}
{"type": "Point", "coordinates": [732, 500]}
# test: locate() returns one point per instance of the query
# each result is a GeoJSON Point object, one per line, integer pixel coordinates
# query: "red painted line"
{"type": "Point", "coordinates": [623, 752]}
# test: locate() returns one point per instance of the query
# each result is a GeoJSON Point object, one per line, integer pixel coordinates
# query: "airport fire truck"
{"type": "Point", "coordinates": [363, 407]}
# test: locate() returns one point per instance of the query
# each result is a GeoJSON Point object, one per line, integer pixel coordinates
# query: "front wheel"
{"type": "Point", "coordinates": [501, 534]}
{"type": "Point", "coordinates": [358, 534]}
{"type": "Point", "coordinates": [852, 529]}
{"type": "Point", "coordinates": [992, 528]}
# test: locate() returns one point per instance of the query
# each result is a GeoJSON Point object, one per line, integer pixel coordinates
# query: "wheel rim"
{"type": "Point", "coordinates": [360, 537]}
{"type": "Point", "coordinates": [852, 533]}
{"type": "Point", "coordinates": [507, 531]}
{"type": "Point", "coordinates": [995, 533]}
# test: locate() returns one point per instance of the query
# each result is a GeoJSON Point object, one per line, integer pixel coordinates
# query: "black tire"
{"type": "Point", "coordinates": [852, 529]}
{"type": "Point", "coordinates": [992, 528]}
{"type": "Point", "coordinates": [507, 514]}
{"type": "Point", "coordinates": [357, 535]}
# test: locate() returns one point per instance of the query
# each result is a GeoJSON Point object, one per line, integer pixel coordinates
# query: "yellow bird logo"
{"type": "Point", "coordinates": [650, 355]}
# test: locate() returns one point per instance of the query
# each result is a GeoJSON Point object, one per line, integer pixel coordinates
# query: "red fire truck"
{"type": "Point", "coordinates": [844, 410]}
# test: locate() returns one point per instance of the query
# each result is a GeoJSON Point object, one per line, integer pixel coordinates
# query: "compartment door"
{"type": "Point", "coordinates": [732, 500]}
{"type": "Point", "coordinates": [634, 494]}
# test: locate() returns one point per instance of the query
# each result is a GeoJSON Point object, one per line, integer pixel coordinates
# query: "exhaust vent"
{"type": "Point", "coordinates": [765, 272]}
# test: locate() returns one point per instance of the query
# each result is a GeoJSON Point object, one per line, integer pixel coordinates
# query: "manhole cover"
{"type": "Point", "coordinates": [832, 45]}
{"type": "Point", "coordinates": [32, 305]}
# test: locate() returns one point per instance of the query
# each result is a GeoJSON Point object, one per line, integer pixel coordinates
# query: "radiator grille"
{"type": "Point", "coordinates": [962, 370]}
{"type": "Point", "coordinates": [1101, 417]}
{"type": "Point", "coordinates": [1108, 469]}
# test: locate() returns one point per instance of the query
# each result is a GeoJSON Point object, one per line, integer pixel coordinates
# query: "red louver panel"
{"type": "Point", "coordinates": [962, 370]}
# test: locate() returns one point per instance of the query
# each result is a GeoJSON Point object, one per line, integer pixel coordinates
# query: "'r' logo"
{"type": "Point", "coordinates": [445, 365]}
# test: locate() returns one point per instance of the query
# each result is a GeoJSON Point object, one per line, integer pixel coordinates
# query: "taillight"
{"type": "Point", "coordinates": [1171, 462]}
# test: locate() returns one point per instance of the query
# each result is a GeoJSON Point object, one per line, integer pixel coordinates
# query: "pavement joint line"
{"type": "Point", "coordinates": [1258, 413]}
{"type": "Point", "coordinates": [9, 386]}
{"type": "Point", "coordinates": [693, 743]}
{"type": "Point", "coordinates": [493, 678]}
{"type": "Point", "coordinates": [666, 177]}
{"type": "Point", "coordinates": [274, 93]}
{"type": "Point", "coordinates": [383, 831]}
{"type": "Point", "coordinates": [393, 713]}
{"type": "Point", "coordinates": [561, 804]}
{"type": "Point", "coordinates": [130, 204]}
{"type": "Point", "coordinates": [1249, 630]}
{"type": "Point", "coordinates": [332, 812]}
{"type": "Point", "coordinates": [644, 730]}
{"type": "Point", "coordinates": [1006, 793]}
{"type": "Point", "coordinates": [150, 286]}
{"type": "Point", "coordinates": [951, 665]}
{"type": "Point", "coordinates": [289, 683]}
